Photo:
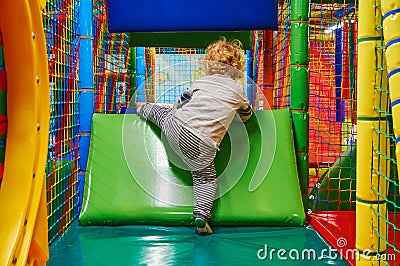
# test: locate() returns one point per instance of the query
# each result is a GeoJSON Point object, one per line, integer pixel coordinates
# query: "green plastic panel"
{"type": "Point", "coordinates": [299, 43]}
{"type": "Point", "coordinates": [3, 102]}
{"type": "Point", "coordinates": [301, 125]}
{"type": "Point", "coordinates": [187, 39]}
{"type": "Point", "coordinates": [1, 56]}
{"type": "Point", "coordinates": [299, 97]}
{"type": "Point", "coordinates": [303, 168]}
{"type": "Point", "coordinates": [300, 10]}
{"type": "Point", "coordinates": [129, 179]}
{"type": "Point", "coordinates": [132, 66]}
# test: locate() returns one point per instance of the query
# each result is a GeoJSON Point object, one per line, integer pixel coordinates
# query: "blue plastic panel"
{"type": "Point", "coordinates": [186, 15]}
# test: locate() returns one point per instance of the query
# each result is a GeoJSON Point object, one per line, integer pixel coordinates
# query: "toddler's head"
{"type": "Point", "coordinates": [226, 58]}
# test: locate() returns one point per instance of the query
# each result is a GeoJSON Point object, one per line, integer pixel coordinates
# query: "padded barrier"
{"type": "Point", "coordinates": [129, 179]}
{"type": "Point", "coordinates": [186, 15]}
{"type": "Point", "coordinates": [336, 226]}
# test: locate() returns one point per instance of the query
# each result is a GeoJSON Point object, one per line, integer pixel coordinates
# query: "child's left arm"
{"type": "Point", "coordinates": [245, 112]}
{"type": "Point", "coordinates": [184, 98]}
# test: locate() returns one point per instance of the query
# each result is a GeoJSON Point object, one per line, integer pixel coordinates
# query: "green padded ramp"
{"type": "Point", "coordinates": [336, 189]}
{"type": "Point", "coordinates": [188, 39]}
{"type": "Point", "coordinates": [129, 179]}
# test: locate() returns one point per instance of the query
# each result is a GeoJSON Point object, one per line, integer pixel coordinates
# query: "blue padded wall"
{"type": "Point", "coordinates": [186, 15]}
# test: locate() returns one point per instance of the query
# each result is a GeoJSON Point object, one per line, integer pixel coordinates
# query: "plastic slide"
{"type": "Point", "coordinates": [131, 177]}
{"type": "Point", "coordinates": [23, 215]}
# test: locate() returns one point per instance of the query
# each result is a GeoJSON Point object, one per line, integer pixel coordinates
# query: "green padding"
{"type": "Point", "coordinates": [336, 189]}
{"type": "Point", "coordinates": [3, 138]}
{"type": "Point", "coordinates": [187, 39]}
{"type": "Point", "coordinates": [3, 102]}
{"type": "Point", "coordinates": [2, 154]}
{"type": "Point", "coordinates": [1, 56]}
{"type": "Point", "coordinates": [126, 152]}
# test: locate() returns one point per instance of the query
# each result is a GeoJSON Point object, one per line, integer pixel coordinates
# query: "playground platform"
{"type": "Point", "coordinates": [179, 245]}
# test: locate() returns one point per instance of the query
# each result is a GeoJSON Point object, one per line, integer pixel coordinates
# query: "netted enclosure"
{"type": "Point", "coordinates": [333, 38]}
{"type": "Point", "coordinates": [111, 84]}
{"type": "Point", "coordinates": [353, 170]}
{"type": "Point", "coordinates": [60, 19]}
{"type": "Point", "coordinates": [112, 68]}
{"type": "Point", "coordinates": [167, 72]}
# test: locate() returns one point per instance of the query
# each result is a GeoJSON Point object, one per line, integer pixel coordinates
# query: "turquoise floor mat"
{"type": "Point", "coordinates": [159, 245]}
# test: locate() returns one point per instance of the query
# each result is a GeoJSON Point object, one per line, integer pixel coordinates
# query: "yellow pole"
{"type": "Point", "coordinates": [371, 183]}
{"type": "Point", "coordinates": [391, 32]}
{"type": "Point", "coordinates": [23, 211]}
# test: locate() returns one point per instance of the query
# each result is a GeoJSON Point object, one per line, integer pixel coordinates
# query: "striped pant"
{"type": "Point", "coordinates": [196, 154]}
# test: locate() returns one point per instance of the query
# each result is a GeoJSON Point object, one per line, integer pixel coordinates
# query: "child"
{"type": "Point", "coordinates": [200, 118]}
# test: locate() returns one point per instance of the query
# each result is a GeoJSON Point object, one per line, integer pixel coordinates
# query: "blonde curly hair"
{"type": "Point", "coordinates": [226, 58]}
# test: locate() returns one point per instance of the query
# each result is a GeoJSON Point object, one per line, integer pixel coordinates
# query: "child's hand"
{"type": "Point", "coordinates": [166, 105]}
{"type": "Point", "coordinates": [183, 99]}
{"type": "Point", "coordinates": [242, 115]}
{"type": "Point", "coordinates": [138, 104]}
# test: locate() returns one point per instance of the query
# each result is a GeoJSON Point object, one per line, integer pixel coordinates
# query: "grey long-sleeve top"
{"type": "Point", "coordinates": [214, 102]}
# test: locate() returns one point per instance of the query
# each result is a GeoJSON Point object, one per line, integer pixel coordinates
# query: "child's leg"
{"type": "Point", "coordinates": [199, 157]}
{"type": "Point", "coordinates": [155, 113]}
{"type": "Point", "coordinates": [205, 188]}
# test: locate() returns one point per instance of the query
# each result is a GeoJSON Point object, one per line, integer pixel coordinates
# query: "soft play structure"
{"type": "Point", "coordinates": [311, 179]}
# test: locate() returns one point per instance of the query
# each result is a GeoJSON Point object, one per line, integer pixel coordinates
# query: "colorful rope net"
{"type": "Point", "coordinates": [281, 58]}
{"type": "Point", "coordinates": [111, 83]}
{"type": "Point", "coordinates": [333, 33]}
{"type": "Point", "coordinates": [60, 19]}
{"type": "Point", "coordinates": [111, 64]}
{"type": "Point", "coordinates": [168, 72]}
{"type": "Point", "coordinates": [333, 122]}
{"type": "Point", "coordinates": [333, 44]}
{"type": "Point", "coordinates": [384, 222]}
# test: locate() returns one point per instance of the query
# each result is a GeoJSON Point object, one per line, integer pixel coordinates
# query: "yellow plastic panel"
{"type": "Point", "coordinates": [27, 137]}
{"type": "Point", "coordinates": [393, 54]}
{"type": "Point", "coordinates": [367, 95]}
{"type": "Point", "coordinates": [367, 23]}
{"type": "Point", "coordinates": [368, 181]}
{"type": "Point", "coordinates": [368, 224]}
